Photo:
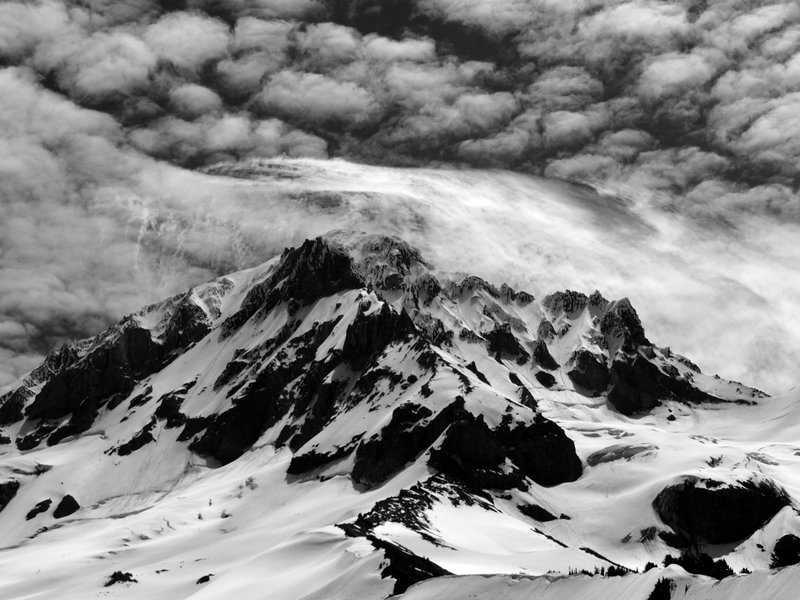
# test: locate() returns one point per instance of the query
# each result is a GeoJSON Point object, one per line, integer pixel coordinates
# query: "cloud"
{"type": "Point", "coordinates": [191, 100]}
{"type": "Point", "coordinates": [673, 73]}
{"type": "Point", "coordinates": [224, 137]}
{"type": "Point", "coordinates": [326, 45]}
{"type": "Point", "coordinates": [25, 25]}
{"type": "Point", "coordinates": [689, 108]}
{"type": "Point", "coordinates": [188, 40]}
{"type": "Point", "coordinates": [390, 51]}
{"type": "Point", "coordinates": [98, 66]}
{"type": "Point", "coordinates": [318, 99]}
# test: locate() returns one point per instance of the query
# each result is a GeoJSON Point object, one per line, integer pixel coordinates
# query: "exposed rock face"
{"type": "Point", "coordinates": [545, 330]}
{"type": "Point", "coordinates": [542, 450]}
{"type": "Point", "coordinates": [471, 452]}
{"type": "Point", "coordinates": [638, 385]}
{"type": "Point", "coordinates": [412, 430]}
{"type": "Point", "coordinates": [537, 513]}
{"type": "Point", "coordinates": [622, 325]}
{"type": "Point", "coordinates": [569, 302]}
{"type": "Point", "coordinates": [371, 332]}
{"type": "Point", "coordinates": [316, 269]}
{"type": "Point", "coordinates": [12, 405]}
{"type": "Point", "coordinates": [110, 368]}
{"type": "Point", "coordinates": [120, 577]}
{"type": "Point", "coordinates": [39, 508]}
{"type": "Point", "coordinates": [504, 343]}
{"type": "Point", "coordinates": [405, 567]}
{"type": "Point", "coordinates": [186, 326]}
{"type": "Point", "coordinates": [786, 551]}
{"type": "Point", "coordinates": [705, 511]}
{"type": "Point", "coordinates": [545, 378]}
{"type": "Point", "coordinates": [588, 374]}
{"type": "Point", "coordinates": [542, 356]}
{"type": "Point", "coordinates": [267, 398]}
{"type": "Point", "coordinates": [8, 489]}
{"type": "Point", "coordinates": [143, 437]}
{"type": "Point", "coordinates": [619, 452]}
{"type": "Point", "coordinates": [66, 507]}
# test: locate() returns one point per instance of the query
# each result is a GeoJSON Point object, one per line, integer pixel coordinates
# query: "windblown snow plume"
{"type": "Point", "coordinates": [686, 110]}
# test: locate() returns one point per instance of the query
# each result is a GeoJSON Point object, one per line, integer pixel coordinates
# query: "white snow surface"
{"type": "Point", "coordinates": [169, 517]}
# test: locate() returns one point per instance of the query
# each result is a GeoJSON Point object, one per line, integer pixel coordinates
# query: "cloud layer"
{"type": "Point", "coordinates": [689, 110]}
{"type": "Point", "coordinates": [657, 95]}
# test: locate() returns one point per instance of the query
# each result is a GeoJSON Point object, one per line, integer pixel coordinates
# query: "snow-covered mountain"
{"type": "Point", "coordinates": [345, 421]}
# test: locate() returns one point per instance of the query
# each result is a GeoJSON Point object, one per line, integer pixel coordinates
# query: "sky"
{"type": "Point", "coordinates": [687, 112]}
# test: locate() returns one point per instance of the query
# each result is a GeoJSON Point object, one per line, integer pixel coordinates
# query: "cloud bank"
{"type": "Point", "coordinates": [686, 109]}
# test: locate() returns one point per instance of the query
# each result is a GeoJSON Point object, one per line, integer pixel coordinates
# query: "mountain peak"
{"type": "Point", "coordinates": [414, 392]}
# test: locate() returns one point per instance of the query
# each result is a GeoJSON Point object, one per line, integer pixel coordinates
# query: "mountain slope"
{"type": "Point", "coordinates": [345, 412]}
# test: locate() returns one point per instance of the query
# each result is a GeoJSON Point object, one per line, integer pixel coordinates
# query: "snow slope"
{"type": "Point", "coordinates": [345, 420]}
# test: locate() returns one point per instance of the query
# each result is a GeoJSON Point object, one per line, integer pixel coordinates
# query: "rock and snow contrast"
{"type": "Point", "coordinates": [345, 421]}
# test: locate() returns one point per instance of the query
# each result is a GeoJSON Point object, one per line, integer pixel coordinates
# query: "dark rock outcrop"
{"type": "Point", "coordinates": [267, 399]}
{"type": "Point", "coordinates": [66, 507]}
{"type": "Point", "coordinates": [786, 552]}
{"type": "Point", "coordinates": [545, 378]}
{"type": "Point", "coordinates": [120, 577]}
{"type": "Point", "coordinates": [621, 325]}
{"type": "Point", "coordinates": [504, 343]}
{"type": "Point", "coordinates": [542, 450]}
{"type": "Point", "coordinates": [619, 452]}
{"type": "Point", "coordinates": [545, 331]}
{"type": "Point", "coordinates": [472, 453]}
{"type": "Point", "coordinates": [169, 409]}
{"type": "Point", "coordinates": [39, 508]}
{"type": "Point", "coordinates": [142, 437]}
{"type": "Point", "coordinates": [111, 368]}
{"type": "Point", "coordinates": [638, 385]}
{"type": "Point", "coordinates": [370, 333]}
{"type": "Point", "coordinates": [412, 429]}
{"type": "Point", "coordinates": [8, 489]}
{"type": "Point", "coordinates": [569, 302]}
{"type": "Point", "coordinates": [542, 356]}
{"type": "Point", "coordinates": [187, 325]}
{"type": "Point", "coordinates": [12, 405]}
{"type": "Point", "coordinates": [705, 511]}
{"type": "Point", "coordinates": [405, 567]}
{"type": "Point", "coordinates": [316, 269]}
{"type": "Point", "coordinates": [536, 512]}
{"type": "Point", "coordinates": [589, 375]}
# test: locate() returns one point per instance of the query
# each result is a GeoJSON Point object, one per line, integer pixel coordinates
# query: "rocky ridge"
{"type": "Point", "coordinates": [363, 361]}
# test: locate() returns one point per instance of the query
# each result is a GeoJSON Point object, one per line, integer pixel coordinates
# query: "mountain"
{"type": "Point", "coordinates": [345, 421]}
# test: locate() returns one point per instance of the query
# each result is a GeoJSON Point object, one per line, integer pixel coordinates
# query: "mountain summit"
{"type": "Point", "coordinates": [345, 421]}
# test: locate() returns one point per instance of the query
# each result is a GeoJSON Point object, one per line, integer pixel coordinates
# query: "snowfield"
{"type": "Point", "coordinates": [345, 421]}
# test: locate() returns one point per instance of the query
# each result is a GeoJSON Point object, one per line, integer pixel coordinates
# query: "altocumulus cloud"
{"type": "Point", "coordinates": [687, 105]}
